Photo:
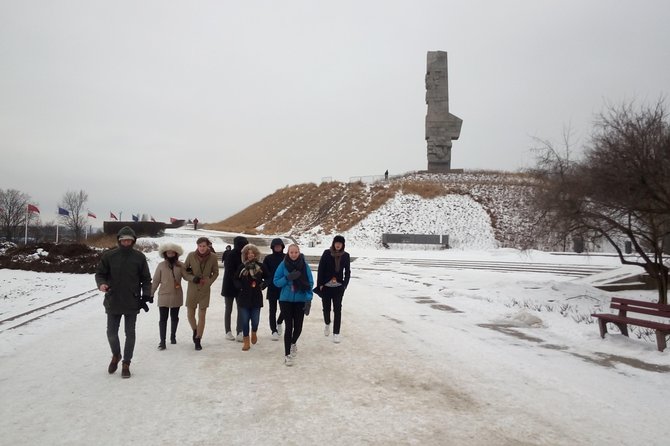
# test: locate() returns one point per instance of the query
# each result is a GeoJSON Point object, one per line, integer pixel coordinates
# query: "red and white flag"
{"type": "Point", "coordinates": [32, 208]}
{"type": "Point", "coordinates": [91, 214]}
{"type": "Point", "coordinates": [113, 217]}
{"type": "Point", "coordinates": [172, 219]}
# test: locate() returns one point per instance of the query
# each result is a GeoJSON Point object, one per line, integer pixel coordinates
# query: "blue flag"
{"type": "Point", "coordinates": [136, 217]}
{"type": "Point", "coordinates": [62, 211]}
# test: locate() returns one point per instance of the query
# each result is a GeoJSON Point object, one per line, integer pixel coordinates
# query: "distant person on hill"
{"type": "Point", "coordinates": [271, 262]}
{"type": "Point", "coordinates": [195, 224]}
{"type": "Point", "coordinates": [167, 280]}
{"type": "Point", "coordinates": [123, 275]}
{"type": "Point", "coordinates": [201, 268]}
{"type": "Point", "coordinates": [228, 291]}
{"type": "Point", "coordinates": [386, 175]}
{"type": "Point", "coordinates": [251, 278]}
{"type": "Point", "coordinates": [295, 279]}
{"type": "Point", "coordinates": [331, 283]}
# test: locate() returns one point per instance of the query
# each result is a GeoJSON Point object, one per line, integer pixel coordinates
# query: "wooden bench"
{"type": "Point", "coordinates": [622, 320]}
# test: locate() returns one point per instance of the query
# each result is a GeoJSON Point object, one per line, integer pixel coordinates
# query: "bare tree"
{"type": "Point", "coordinates": [619, 191]}
{"type": "Point", "coordinates": [76, 220]}
{"type": "Point", "coordinates": [13, 206]}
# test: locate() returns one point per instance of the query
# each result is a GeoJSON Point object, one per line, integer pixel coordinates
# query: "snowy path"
{"type": "Point", "coordinates": [405, 373]}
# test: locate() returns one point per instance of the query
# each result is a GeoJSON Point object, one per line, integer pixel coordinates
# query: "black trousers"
{"type": "Point", "coordinates": [113, 324]}
{"type": "Point", "coordinates": [294, 314]}
{"type": "Point", "coordinates": [274, 320]}
{"type": "Point", "coordinates": [332, 296]}
{"type": "Point", "coordinates": [162, 323]}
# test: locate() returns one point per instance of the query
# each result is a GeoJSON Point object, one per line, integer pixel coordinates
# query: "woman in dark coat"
{"type": "Point", "coordinates": [251, 279]}
{"type": "Point", "coordinates": [271, 262]}
{"type": "Point", "coordinates": [331, 283]}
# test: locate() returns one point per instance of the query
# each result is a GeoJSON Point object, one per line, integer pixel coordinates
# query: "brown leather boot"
{"type": "Point", "coordinates": [125, 370]}
{"type": "Point", "coordinates": [114, 364]}
{"type": "Point", "coordinates": [254, 338]}
{"type": "Point", "coordinates": [246, 345]}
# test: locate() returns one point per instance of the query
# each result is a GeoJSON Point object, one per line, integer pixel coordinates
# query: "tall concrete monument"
{"type": "Point", "coordinates": [441, 126]}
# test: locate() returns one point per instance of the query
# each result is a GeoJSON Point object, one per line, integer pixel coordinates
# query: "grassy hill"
{"type": "Point", "coordinates": [337, 207]}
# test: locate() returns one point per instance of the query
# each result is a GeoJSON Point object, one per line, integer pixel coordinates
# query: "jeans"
{"type": "Point", "coordinates": [294, 314]}
{"type": "Point", "coordinates": [249, 314]}
{"type": "Point", "coordinates": [113, 323]}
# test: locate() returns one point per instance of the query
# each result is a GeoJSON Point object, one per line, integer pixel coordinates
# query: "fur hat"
{"type": "Point", "coordinates": [253, 248]}
{"type": "Point", "coordinates": [165, 247]}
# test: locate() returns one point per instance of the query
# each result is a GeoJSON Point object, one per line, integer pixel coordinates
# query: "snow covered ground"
{"type": "Point", "coordinates": [431, 354]}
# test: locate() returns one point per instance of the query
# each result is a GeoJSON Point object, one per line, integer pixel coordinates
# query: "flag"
{"type": "Point", "coordinates": [172, 220]}
{"type": "Point", "coordinates": [91, 214]}
{"type": "Point", "coordinates": [153, 219]}
{"type": "Point", "coordinates": [136, 217]}
{"type": "Point", "coordinates": [113, 217]}
{"type": "Point", "coordinates": [32, 208]}
{"type": "Point", "coordinates": [62, 211]}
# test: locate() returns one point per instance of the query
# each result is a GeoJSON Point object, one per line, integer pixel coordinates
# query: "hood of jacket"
{"type": "Point", "coordinates": [125, 232]}
{"type": "Point", "coordinates": [275, 242]}
{"type": "Point", "coordinates": [240, 242]}
{"type": "Point", "coordinates": [252, 248]}
{"type": "Point", "coordinates": [162, 249]}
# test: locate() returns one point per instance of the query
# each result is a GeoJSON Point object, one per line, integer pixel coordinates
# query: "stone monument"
{"type": "Point", "coordinates": [441, 126]}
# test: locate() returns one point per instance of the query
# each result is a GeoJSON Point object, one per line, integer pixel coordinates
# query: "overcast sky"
{"type": "Point", "coordinates": [198, 109]}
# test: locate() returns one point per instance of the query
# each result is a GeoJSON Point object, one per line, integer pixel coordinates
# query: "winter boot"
{"type": "Point", "coordinates": [197, 344]}
{"type": "Point", "coordinates": [173, 330]}
{"type": "Point", "coordinates": [161, 345]}
{"type": "Point", "coordinates": [246, 345]}
{"type": "Point", "coordinates": [125, 369]}
{"type": "Point", "coordinates": [114, 364]}
{"type": "Point", "coordinates": [162, 329]}
{"type": "Point", "coordinates": [254, 338]}
{"type": "Point", "coordinates": [195, 333]}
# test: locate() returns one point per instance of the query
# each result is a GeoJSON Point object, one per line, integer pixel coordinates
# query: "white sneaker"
{"type": "Point", "coordinates": [280, 329]}
{"type": "Point", "coordinates": [336, 338]}
{"type": "Point", "coordinates": [294, 350]}
{"type": "Point", "coordinates": [230, 336]}
{"type": "Point", "coordinates": [275, 336]}
{"type": "Point", "coordinates": [326, 330]}
{"type": "Point", "coordinates": [240, 337]}
{"type": "Point", "coordinates": [288, 360]}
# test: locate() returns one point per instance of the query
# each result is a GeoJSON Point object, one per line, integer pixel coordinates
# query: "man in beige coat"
{"type": "Point", "coordinates": [201, 268]}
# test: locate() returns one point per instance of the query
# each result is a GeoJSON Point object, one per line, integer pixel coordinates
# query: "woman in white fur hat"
{"type": "Point", "coordinates": [167, 280]}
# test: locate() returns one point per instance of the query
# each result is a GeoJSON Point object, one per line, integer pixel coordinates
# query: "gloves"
{"type": "Point", "coordinates": [196, 280]}
{"type": "Point", "coordinates": [149, 299]}
{"type": "Point", "coordinates": [308, 306]}
{"type": "Point", "coordinates": [143, 303]}
{"type": "Point", "coordinates": [264, 285]}
{"type": "Point", "coordinates": [293, 275]}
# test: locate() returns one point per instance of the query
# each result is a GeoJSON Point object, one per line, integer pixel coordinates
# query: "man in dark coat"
{"type": "Point", "coordinates": [332, 280]}
{"type": "Point", "coordinates": [123, 275]}
{"type": "Point", "coordinates": [231, 263]}
{"type": "Point", "coordinates": [271, 262]}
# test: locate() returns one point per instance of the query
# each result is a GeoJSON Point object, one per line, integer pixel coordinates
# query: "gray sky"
{"type": "Point", "coordinates": [198, 109]}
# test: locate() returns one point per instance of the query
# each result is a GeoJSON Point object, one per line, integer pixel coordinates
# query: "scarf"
{"type": "Point", "coordinates": [337, 255]}
{"type": "Point", "coordinates": [298, 264]}
{"type": "Point", "coordinates": [202, 257]}
{"type": "Point", "coordinates": [251, 270]}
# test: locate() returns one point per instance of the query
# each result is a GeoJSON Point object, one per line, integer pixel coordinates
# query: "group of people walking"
{"type": "Point", "coordinates": [123, 274]}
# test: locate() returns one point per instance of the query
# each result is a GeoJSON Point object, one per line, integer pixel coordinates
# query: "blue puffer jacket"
{"type": "Point", "coordinates": [289, 292]}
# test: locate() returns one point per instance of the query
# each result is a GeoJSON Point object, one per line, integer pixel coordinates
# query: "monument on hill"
{"type": "Point", "coordinates": [441, 126]}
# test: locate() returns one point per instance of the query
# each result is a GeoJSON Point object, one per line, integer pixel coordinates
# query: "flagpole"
{"type": "Point", "coordinates": [25, 241]}
{"type": "Point", "coordinates": [56, 230]}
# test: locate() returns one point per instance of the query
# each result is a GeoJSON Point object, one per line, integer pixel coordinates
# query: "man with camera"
{"type": "Point", "coordinates": [123, 275]}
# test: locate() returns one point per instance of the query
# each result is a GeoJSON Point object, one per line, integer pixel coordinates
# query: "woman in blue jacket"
{"type": "Point", "coordinates": [294, 278]}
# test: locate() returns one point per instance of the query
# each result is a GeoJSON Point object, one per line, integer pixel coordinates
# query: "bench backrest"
{"type": "Point", "coordinates": [638, 306]}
